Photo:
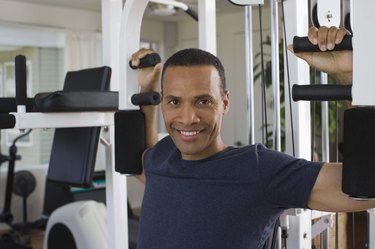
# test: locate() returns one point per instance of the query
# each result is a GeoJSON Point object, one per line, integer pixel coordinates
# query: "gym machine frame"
{"type": "Point", "coordinates": [363, 77]}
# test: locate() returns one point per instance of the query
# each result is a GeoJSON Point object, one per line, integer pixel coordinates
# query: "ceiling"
{"type": "Point", "coordinates": [222, 6]}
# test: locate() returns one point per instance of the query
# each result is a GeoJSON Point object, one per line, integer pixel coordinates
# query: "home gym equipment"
{"type": "Point", "coordinates": [74, 149]}
{"type": "Point", "coordinates": [358, 175]}
{"type": "Point", "coordinates": [72, 222]}
{"type": "Point", "coordinates": [77, 225]}
{"type": "Point", "coordinates": [23, 185]}
{"type": "Point", "coordinates": [6, 215]}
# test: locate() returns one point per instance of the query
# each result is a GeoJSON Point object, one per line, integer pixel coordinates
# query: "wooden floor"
{"type": "Point", "coordinates": [33, 238]}
{"type": "Point", "coordinates": [36, 239]}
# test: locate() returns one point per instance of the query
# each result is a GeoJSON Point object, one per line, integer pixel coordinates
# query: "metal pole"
{"type": "Point", "coordinates": [249, 71]}
{"type": "Point", "coordinates": [325, 147]}
{"type": "Point", "coordinates": [116, 187]}
{"type": "Point", "coordinates": [325, 123]}
{"type": "Point", "coordinates": [275, 74]}
{"type": "Point", "coordinates": [207, 25]}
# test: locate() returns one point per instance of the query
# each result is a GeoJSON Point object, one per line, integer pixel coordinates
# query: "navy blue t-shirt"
{"type": "Point", "coordinates": [229, 200]}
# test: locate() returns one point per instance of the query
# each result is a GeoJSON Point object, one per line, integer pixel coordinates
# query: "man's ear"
{"type": "Point", "coordinates": [226, 101]}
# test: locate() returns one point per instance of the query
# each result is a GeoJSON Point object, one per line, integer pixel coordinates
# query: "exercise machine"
{"type": "Point", "coordinates": [357, 174]}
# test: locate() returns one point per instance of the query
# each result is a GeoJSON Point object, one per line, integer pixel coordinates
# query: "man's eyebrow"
{"type": "Point", "coordinates": [171, 97]}
{"type": "Point", "coordinates": [204, 96]}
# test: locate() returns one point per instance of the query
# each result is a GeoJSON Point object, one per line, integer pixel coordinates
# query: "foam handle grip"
{"type": "Point", "coordinates": [321, 92]}
{"type": "Point", "coordinates": [129, 141]}
{"type": "Point", "coordinates": [149, 60]}
{"type": "Point", "coordinates": [302, 44]}
{"type": "Point", "coordinates": [7, 121]}
{"type": "Point", "coordinates": [147, 98]}
{"type": "Point", "coordinates": [20, 70]}
{"type": "Point", "coordinates": [358, 171]}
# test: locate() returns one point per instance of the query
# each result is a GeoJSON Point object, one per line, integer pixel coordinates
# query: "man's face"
{"type": "Point", "coordinates": [193, 108]}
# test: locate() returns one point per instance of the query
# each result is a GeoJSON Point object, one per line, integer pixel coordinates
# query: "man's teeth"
{"type": "Point", "coordinates": [189, 133]}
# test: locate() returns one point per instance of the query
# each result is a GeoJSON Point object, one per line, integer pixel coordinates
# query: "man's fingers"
{"type": "Point", "coordinates": [331, 37]}
{"type": "Point", "coordinates": [136, 57]}
{"type": "Point", "coordinates": [340, 35]}
{"type": "Point", "coordinates": [290, 48]}
{"type": "Point", "coordinates": [322, 38]}
{"type": "Point", "coordinates": [313, 35]}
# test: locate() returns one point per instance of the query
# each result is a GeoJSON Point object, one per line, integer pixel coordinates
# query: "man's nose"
{"type": "Point", "coordinates": [189, 115]}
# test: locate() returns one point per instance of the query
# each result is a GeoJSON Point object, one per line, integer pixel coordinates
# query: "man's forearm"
{"type": "Point", "coordinates": [151, 128]}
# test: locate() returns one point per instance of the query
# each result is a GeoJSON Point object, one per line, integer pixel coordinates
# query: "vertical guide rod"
{"type": "Point", "coordinates": [116, 187]}
{"type": "Point", "coordinates": [325, 123]}
{"type": "Point", "coordinates": [295, 17]}
{"type": "Point", "coordinates": [207, 25]}
{"type": "Point", "coordinates": [249, 71]}
{"type": "Point", "coordinates": [325, 147]}
{"type": "Point", "coordinates": [275, 74]}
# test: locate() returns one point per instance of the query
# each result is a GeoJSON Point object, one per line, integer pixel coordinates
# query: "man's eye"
{"type": "Point", "coordinates": [173, 102]}
{"type": "Point", "coordinates": [204, 102]}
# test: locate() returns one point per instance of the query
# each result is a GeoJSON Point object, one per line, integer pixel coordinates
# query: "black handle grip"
{"type": "Point", "coordinates": [302, 44]}
{"type": "Point", "coordinates": [20, 70]}
{"type": "Point", "coordinates": [321, 92]}
{"type": "Point", "coordinates": [149, 60]}
{"type": "Point", "coordinates": [148, 98]}
{"type": "Point", "coordinates": [7, 121]}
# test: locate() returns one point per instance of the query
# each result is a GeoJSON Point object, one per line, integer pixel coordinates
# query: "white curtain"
{"type": "Point", "coordinates": [83, 49]}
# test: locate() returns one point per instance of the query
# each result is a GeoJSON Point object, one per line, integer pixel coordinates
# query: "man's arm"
{"type": "Point", "coordinates": [148, 79]}
{"type": "Point", "coordinates": [327, 194]}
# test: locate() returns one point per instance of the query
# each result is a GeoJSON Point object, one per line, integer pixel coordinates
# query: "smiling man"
{"type": "Point", "coordinates": [201, 193]}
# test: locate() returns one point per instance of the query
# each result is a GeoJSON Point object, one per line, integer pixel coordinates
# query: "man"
{"type": "Point", "coordinates": [202, 193]}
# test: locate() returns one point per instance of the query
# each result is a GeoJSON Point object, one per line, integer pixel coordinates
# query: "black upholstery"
{"type": "Point", "coordinates": [76, 101]}
{"type": "Point", "coordinates": [84, 90]}
{"type": "Point", "coordinates": [92, 79]}
{"type": "Point", "coordinates": [74, 150]}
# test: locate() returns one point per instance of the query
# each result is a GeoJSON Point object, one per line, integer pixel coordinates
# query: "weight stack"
{"type": "Point", "coordinates": [358, 178]}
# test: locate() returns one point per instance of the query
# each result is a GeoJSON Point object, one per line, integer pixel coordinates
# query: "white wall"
{"type": "Point", "coordinates": [48, 16]}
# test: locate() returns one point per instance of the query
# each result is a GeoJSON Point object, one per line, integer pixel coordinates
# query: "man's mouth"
{"type": "Point", "coordinates": [188, 133]}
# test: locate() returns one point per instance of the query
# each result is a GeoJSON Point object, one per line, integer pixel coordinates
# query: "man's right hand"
{"type": "Point", "coordinates": [338, 64]}
{"type": "Point", "coordinates": [148, 78]}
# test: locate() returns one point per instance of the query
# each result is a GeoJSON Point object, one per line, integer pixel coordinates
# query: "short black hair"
{"type": "Point", "coordinates": [195, 57]}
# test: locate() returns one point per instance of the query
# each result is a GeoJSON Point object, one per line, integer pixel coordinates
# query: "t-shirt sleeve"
{"type": "Point", "coordinates": [287, 181]}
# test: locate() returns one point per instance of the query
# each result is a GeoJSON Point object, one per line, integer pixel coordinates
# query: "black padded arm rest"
{"type": "Point", "coordinates": [76, 101]}
{"type": "Point", "coordinates": [8, 105]}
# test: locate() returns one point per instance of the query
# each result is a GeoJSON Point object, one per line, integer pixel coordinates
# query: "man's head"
{"type": "Point", "coordinates": [195, 57]}
{"type": "Point", "coordinates": [194, 101]}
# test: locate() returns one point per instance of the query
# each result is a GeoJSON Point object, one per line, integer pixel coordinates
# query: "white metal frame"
{"type": "Point", "coordinates": [363, 90]}
{"type": "Point", "coordinates": [299, 220]}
